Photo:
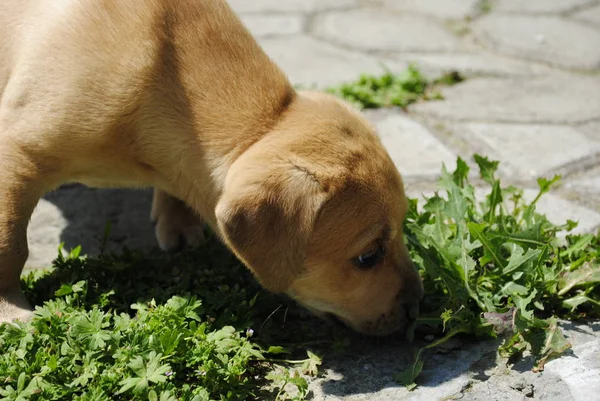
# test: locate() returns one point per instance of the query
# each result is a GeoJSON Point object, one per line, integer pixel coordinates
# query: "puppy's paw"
{"type": "Point", "coordinates": [176, 226]}
{"type": "Point", "coordinates": [173, 236]}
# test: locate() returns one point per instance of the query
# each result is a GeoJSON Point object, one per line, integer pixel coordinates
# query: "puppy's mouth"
{"type": "Point", "coordinates": [394, 322]}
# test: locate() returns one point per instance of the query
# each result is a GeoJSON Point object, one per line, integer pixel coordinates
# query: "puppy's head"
{"type": "Point", "coordinates": [315, 209]}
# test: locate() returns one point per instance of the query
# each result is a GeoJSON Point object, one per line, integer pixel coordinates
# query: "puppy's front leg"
{"type": "Point", "coordinates": [176, 225]}
{"type": "Point", "coordinates": [18, 197]}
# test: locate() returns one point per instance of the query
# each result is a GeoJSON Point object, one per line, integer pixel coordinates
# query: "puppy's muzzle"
{"type": "Point", "coordinates": [396, 321]}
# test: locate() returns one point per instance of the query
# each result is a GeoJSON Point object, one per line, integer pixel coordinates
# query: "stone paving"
{"type": "Point", "coordinates": [531, 100]}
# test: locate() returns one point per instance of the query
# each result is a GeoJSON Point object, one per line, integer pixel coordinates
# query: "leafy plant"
{"type": "Point", "coordinates": [391, 89]}
{"type": "Point", "coordinates": [127, 327]}
{"type": "Point", "coordinates": [494, 266]}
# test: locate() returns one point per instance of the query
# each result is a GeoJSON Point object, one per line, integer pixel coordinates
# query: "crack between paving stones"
{"type": "Point", "coordinates": [576, 9]}
{"type": "Point", "coordinates": [576, 166]}
{"type": "Point", "coordinates": [495, 48]}
{"type": "Point", "coordinates": [493, 120]}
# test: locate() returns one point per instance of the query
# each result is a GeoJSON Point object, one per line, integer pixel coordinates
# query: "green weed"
{"type": "Point", "coordinates": [390, 89]}
{"type": "Point", "coordinates": [496, 267]}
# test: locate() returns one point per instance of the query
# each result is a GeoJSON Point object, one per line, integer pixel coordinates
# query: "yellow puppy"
{"type": "Point", "coordinates": [177, 95]}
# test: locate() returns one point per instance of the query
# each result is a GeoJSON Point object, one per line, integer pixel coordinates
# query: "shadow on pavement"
{"type": "Point", "coordinates": [89, 210]}
{"type": "Point", "coordinates": [371, 368]}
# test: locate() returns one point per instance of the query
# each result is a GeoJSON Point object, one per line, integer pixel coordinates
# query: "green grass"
{"type": "Point", "coordinates": [196, 325]}
{"type": "Point", "coordinates": [390, 89]}
{"type": "Point", "coordinates": [485, 6]}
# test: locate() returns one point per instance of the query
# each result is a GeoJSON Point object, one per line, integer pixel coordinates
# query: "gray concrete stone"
{"type": "Point", "coordinates": [549, 39]}
{"type": "Point", "coordinates": [589, 15]}
{"type": "Point", "coordinates": [78, 215]}
{"type": "Point", "coordinates": [559, 210]}
{"type": "Point", "coordinates": [378, 29]}
{"type": "Point", "coordinates": [271, 25]}
{"type": "Point", "coordinates": [538, 6]}
{"type": "Point", "coordinates": [414, 149]}
{"type": "Point", "coordinates": [591, 129]}
{"type": "Point", "coordinates": [310, 61]}
{"type": "Point", "coordinates": [267, 6]}
{"type": "Point", "coordinates": [584, 187]}
{"type": "Point", "coordinates": [504, 384]}
{"type": "Point", "coordinates": [444, 9]}
{"type": "Point", "coordinates": [369, 376]}
{"type": "Point", "coordinates": [587, 184]}
{"type": "Point", "coordinates": [530, 151]}
{"type": "Point", "coordinates": [44, 234]}
{"type": "Point", "coordinates": [547, 100]}
{"type": "Point", "coordinates": [580, 370]}
{"type": "Point", "coordinates": [473, 64]}
{"type": "Point", "coordinates": [469, 372]}
{"type": "Point", "coordinates": [573, 377]}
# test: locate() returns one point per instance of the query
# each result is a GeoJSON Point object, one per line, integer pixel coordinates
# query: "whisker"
{"type": "Point", "coordinates": [285, 316]}
{"type": "Point", "coordinates": [268, 317]}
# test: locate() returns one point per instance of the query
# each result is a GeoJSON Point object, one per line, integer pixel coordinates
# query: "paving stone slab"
{"type": "Point", "coordinates": [474, 64]}
{"type": "Point", "coordinates": [368, 373]}
{"type": "Point", "coordinates": [589, 15]}
{"type": "Point", "coordinates": [310, 61]}
{"type": "Point", "coordinates": [44, 234]}
{"type": "Point", "coordinates": [538, 6]}
{"type": "Point", "coordinates": [530, 151]}
{"type": "Point", "coordinates": [470, 372]}
{"type": "Point", "coordinates": [547, 100]}
{"type": "Point", "coordinates": [272, 25]}
{"type": "Point", "coordinates": [77, 215]}
{"type": "Point", "coordinates": [581, 369]}
{"type": "Point", "coordinates": [560, 210]}
{"type": "Point", "coordinates": [584, 188]}
{"type": "Point", "coordinates": [574, 376]}
{"type": "Point", "coordinates": [586, 183]}
{"type": "Point", "coordinates": [413, 148]}
{"type": "Point", "coordinates": [553, 40]}
{"type": "Point", "coordinates": [444, 9]}
{"type": "Point", "coordinates": [380, 30]}
{"type": "Point", "coordinates": [591, 129]}
{"type": "Point", "coordinates": [268, 6]}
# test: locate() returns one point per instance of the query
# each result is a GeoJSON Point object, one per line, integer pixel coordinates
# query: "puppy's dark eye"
{"type": "Point", "coordinates": [370, 258]}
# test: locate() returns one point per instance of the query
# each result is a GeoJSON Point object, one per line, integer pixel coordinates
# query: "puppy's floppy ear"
{"type": "Point", "coordinates": [267, 217]}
